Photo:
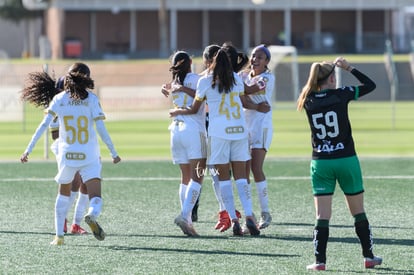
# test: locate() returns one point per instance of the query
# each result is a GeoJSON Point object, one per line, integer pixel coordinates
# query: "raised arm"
{"type": "Point", "coordinates": [366, 86]}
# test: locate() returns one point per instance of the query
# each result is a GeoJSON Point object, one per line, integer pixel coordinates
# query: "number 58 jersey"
{"type": "Point", "coordinates": [77, 143]}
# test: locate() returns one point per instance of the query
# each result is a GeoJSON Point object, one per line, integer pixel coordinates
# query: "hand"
{"type": "Point", "coordinates": [116, 159]}
{"type": "Point", "coordinates": [173, 112]}
{"type": "Point", "coordinates": [342, 63]}
{"type": "Point", "coordinates": [263, 107]}
{"type": "Point", "coordinates": [176, 88]}
{"type": "Point", "coordinates": [165, 89]}
{"type": "Point", "coordinates": [24, 158]}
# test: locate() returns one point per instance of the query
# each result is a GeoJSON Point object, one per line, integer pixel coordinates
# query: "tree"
{"type": "Point", "coordinates": [13, 10]}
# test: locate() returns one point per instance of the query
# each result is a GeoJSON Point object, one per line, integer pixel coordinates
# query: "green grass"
{"type": "Point", "coordinates": [375, 131]}
{"type": "Point", "coordinates": [141, 202]}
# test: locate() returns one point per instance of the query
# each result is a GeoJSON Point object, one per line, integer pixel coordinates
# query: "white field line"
{"type": "Point", "coordinates": [281, 178]}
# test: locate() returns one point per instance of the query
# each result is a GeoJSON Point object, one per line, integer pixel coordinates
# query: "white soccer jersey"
{"type": "Point", "coordinates": [183, 100]}
{"type": "Point", "coordinates": [77, 142]}
{"type": "Point", "coordinates": [259, 125]}
{"type": "Point", "coordinates": [226, 117]}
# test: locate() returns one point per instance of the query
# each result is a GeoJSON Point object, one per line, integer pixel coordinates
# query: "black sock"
{"type": "Point", "coordinates": [363, 230]}
{"type": "Point", "coordinates": [320, 240]}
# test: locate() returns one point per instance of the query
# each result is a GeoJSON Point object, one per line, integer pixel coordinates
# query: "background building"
{"type": "Point", "coordinates": [151, 28]}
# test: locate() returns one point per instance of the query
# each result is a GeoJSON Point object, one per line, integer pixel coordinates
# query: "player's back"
{"type": "Point", "coordinates": [77, 136]}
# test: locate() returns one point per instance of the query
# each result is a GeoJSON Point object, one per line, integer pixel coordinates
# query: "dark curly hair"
{"type": "Point", "coordinates": [39, 89]}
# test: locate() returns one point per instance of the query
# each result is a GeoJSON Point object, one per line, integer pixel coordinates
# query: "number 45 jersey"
{"type": "Point", "coordinates": [226, 116]}
{"type": "Point", "coordinates": [77, 144]}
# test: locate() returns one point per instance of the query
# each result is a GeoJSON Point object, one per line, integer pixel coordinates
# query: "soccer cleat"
{"type": "Point", "coordinates": [97, 230]}
{"type": "Point", "coordinates": [252, 227]}
{"type": "Point", "coordinates": [77, 230]}
{"type": "Point", "coordinates": [237, 230]}
{"type": "Point", "coordinates": [371, 263]}
{"type": "Point", "coordinates": [192, 232]}
{"type": "Point", "coordinates": [65, 226]}
{"type": "Point", "coordinates": [187, 229]}
{"type": "Point", "coordinates": [265, 220]}
{"type": "Point", "coordinates": [58, 240]}
{"type": "Point", "coordinates": [316, 267]}
{"type": "Point", "coordinates": [238, 214]}
{"type": "Point", "coordinates": [224, 221]}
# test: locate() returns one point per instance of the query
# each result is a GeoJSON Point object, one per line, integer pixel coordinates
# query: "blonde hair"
{"type": "Point", "coordinates": [318, 74]}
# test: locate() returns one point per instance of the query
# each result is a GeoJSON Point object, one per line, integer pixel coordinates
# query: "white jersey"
{"type": "Point", "coordinates": [264, 95]}
{"type": "Point", "coordinates": [77, 143]}
{"type": "Point", "coordinates": [226, 117]}
{"type": "Point", "coordinates": [183, 100]}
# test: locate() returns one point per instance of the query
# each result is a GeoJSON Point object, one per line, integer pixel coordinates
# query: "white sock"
{"type": "Point", "coordinates": [181, 193]}
{"type": "Point", "coordinates": [95, 207]}
{"type": "Point", "coordinates": [191, 196]}
{"type": "Point", "coordinates": [216, 187]}
{"type": "Point", "coordinates": [61, 210]}
{"type": "Point", "coordinates": [71, 200]}
{"type": "Point", "coordinates": [226, 191]}
{"type": "Point", "coordinates": [245, 194]}
{"type": "Point", "coordinates": [72, 197]}
{"type": "Point", "coordinates": [262, 195]}
{"type": "Point", "coordinates": [80, 208]}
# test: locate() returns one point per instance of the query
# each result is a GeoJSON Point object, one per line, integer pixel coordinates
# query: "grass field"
{"type": "Point", "coordinates": [141, 202]}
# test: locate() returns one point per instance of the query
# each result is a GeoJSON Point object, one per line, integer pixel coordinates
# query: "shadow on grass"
{"type": "Point", "coordinates": [207, 252]}
{"type": "Point", "coordinates": [343, 226]}
{"type": "Point", "coordinates": [378, 241]}
{"type": "Point", "coordinates": [378, 270]}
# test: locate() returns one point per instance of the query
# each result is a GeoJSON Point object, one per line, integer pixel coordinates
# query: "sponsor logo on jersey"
{"type": "Point", "coordinates": [78, 102]}
{"type": "Point", "coordinates": [75, 156]}
{"type": "Point", "coordinates": [327, 147]}
{"type": "Point", "coordinates": [235, 130]}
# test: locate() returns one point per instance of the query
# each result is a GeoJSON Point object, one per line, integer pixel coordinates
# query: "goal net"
{"type": "Point", "coordinates": [284, 65]}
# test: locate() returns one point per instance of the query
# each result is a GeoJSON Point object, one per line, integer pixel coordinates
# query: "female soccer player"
{"type": "Point", "coordinates": [39, 90]}
{"type": "Point", "coordinates": [227, 135]}
{"type": "Point", "coordinates": [259, 124]}
{"type": "Point", "coordinates": [188, 138]}
{"type": "Point", "coordinates": [77, 110]}
{"type": "Point", "coordinates": [333, 154]}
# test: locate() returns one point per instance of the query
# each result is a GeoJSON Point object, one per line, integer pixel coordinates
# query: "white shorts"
{"type": "Point", "coordinates": [222, 151]}
{"type": "Point", "coordinates": [260, 129]}
{"type": "Point", "coordinates": [260, 138]}
{"type": "Point", "coordinates": [187, 143]}
{"type": "Point", "coordinates": [89, 171]}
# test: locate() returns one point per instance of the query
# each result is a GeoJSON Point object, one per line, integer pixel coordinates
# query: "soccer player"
{"type": "Point", "coordinates": [333, 154]}
{"type": "Point", "coordinates": [227, 135]}
{"type": "Point", "coordinates": [39, 90]}
{"type": "Point", "coordinates": [78, 110]}
{"type": "Point", "coordinates": [259, 124]}
{"type": "Point", "coordinates": [188, 138]}
{"type": "Point", "coordinates": [79, 189]}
